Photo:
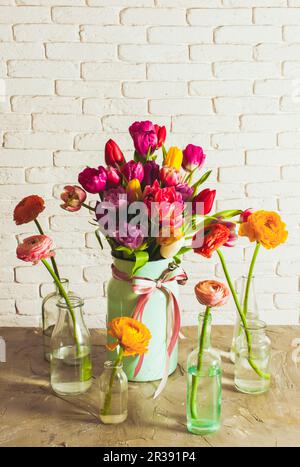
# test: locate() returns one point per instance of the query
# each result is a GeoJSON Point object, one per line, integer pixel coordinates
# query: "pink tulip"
{"type": "Point", "coordinates": [113, 177]}
{"type": "Point", "coordinates": [244, 216]}
{"type": "Point", "coordinates": [193, 156]}
{"type": "Point", "coordinates": [93, 180]}
{"type": "Point", "coordinates": [132, 170]}
{"type": "Point", "coordinates": [73, 197]}
{"type": "Point", "coordinates": [170, 176]}
{"type": "Point", "coordinates": [35, 248]}
{"type": "Point", "coordinates": [212, 293]}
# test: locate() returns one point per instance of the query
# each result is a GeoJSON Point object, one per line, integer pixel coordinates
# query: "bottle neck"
{"type": "Point", "coordinates": [248, 297]}
{"type": "Point", "coordinates": [77, 307]}
{"type": "Point", "coordinates": [204, 324]}
{"type": "Point", "coordinates": [65, 284]}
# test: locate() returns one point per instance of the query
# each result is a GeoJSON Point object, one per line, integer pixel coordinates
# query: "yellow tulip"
{"type": "Point", "coordinates": [174, 158]}
{"type": "Point", "coordinates": [168, 251]}
{"type": "Point", "coordinates": [134, 191]}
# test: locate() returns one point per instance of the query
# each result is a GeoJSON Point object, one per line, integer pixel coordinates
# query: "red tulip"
{"type": "Point", "coordinates": [161, 133]}
{"type": "Point", "coordinates": [113, 154]}
{"type": "Point", "coordinates": [206, 197]}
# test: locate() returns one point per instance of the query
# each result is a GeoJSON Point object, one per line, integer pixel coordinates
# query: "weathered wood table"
{"type": "Point", "coordinates": [32, 415]}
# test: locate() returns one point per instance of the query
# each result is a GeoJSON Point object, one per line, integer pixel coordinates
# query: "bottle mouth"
{"type": "Point", "coordinates": [255, 325]}
{"type": "Point", "coordinates": [62, 280]}
{"type": "Point", "coordinates": [244, 276]}
{"type": "Point", "coordinates": [109, 364]}
{"type": "Point", "coordinates": [75, 302]}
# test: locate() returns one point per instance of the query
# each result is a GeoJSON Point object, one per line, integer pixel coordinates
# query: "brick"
{"type": "Point", "coordinates": [95, 141]}
{"type": "Point", "coordinates": [189, 3]}
{"type": "Point", "coordinates": [291, 173]}
{"type": "Point", "coordinates": [254, 3]}
{"type": "Point", "coordinates": [204, 123]}
{"type": "Point", "coordinates": [155, 16]}
{"type": "Point", "coordinates": [277, 16]}
{"type": "Point", "coordinates": [18, 320]}
{"type": "Point", "coordinates": [179, 35]}
{"type": "Point", "coordinates": [24, 14]}
{"type": "Point", "coordinates": [76, 158]}
{"type": "Point", "coordinates": [7, 307]}
{"type": "Point", "coordinates": [216, 87]}
{"type": "Point", "coordinates": [50, 2]}
{"type": "Point", "coordinates": [189, 106]}
{"type": "Point", "coordinates": [73, 15]}
{"type": "Point", "coordinates": [287, 301]}
{"type": "Point", "coordinates": [269, 204]}
{"type": "Point", "coordinates": [277, 52]}
{"type": "Point", "coordinates": [289, 268]}
{"type": "Point", "coordinates": [28, 86]}
{"type": "Point", "coordinates": [244, 140]}
{"type": "Point", "coordinates": [75, 123]}
{"type": "Point", "coordinates": [224, 158]}
{"type": "Point", "coordinates": [37, 140]}
{"type": "Point", "coordinates": [7, 290]}
{"type": "Point", "coordinates": [274, 87]}
{"type": "Point", "coordinates": [121, 123]}
{"type": "Point", "coordinates": [246, 70]}
{"type": "Point", "coordinates": [113, 34]}
{"type": "Point", "coordinates": [43, 69]}
{"type": "Point", "coordinates": [10, 50]}
{"type": "Point", "coordinates": [215, 17]}
{"type": "Point", "coordinates": [292, 70]}
{"type": "Point", "coordinates": [64, 224]}
{"type": "Point", "coordinates": [290, 33]}
{"type": "Point", "coordinates": [45, 104]}
{"type": "Point", "coordinates": [88, 89]}
{"type": "Point", "coordinates": [269, 122]}
{"type": "Point", "coordinates": [289, 205]}
{"type": "Point", "coordinates": [45, 33]}
{"type": "Point", "coordinates": [119, 2]}
{"type": "Point", "coordinates": [239, 105]}
{"type": "Point", "coordinates": [215, 52]}
{"type": "Point", "coordinates": [24, 158]}
{"type": "Point", "coordinates": [5, 33]}
{"type": "Point", "coordinates": [290, 104]}
{"type": "Point", "coordinates": [9, 175]}
{"type": "Point", "coordinates": [178, 72]}
{"type": "Point", "coordinates": [247, 34]}
{"type": "Point", "coordinates": [114, 106]}
{"type": "Point", "coordinates": [289, 139]}
{"type": "Point", "coordinates": [273, 189]}
{"type": "Point", "coordinates": [149, 89]}
{"type": "Point", "coordinates": [249, 174]}
{"type": "Point", "coordinates": [80, 51]}
{"type": "Point", "coordinates": [113, 71]}
{"type": "Point", "coordinates": [14, 122]}
{"type": "Point", "coordinates": [153, 53]}
{"type": "Point", "coordinates": [274, 157]}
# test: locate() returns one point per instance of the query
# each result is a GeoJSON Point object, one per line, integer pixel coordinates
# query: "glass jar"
{"type": "Point", "coordinates": [50, 315]}
{"type": "Point", "coordinates": [204, 388]}
{"type": "Point", "coordinates": [113, 386]}
{"type": "Point", "coordinates": [250, 309]}
{"type": "Point", "coordinates": [71, 366]}
{"type": "Point", "coordinates": [245, 377]}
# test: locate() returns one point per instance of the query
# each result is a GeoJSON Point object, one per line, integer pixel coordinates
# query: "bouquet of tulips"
{"type": "Point", "coordinates": [147, 211]}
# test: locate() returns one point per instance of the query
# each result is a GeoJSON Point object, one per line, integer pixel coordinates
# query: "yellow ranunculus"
{"type": "Point", "coordinates": [265, 227]}
{"type": "Point", "coordinates": [174, 158]}
{"type": "Point", "coordinates": [134, 191]}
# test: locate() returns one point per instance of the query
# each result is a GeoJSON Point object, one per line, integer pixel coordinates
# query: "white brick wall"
{"type": "Point", "coordinates": [224, 74]}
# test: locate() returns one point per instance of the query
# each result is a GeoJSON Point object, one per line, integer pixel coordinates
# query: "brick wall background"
{"type": "Point", "coordinates": [224, 74]}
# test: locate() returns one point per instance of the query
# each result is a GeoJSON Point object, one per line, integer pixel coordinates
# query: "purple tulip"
{"type": "Point", "coordinates": [132, 170]}
{"type": "Point", "coordinates": [151, 172]}
{"type": "Point", "coordinates": [185, 190]}
{"type": "Point", "coordinates": [134, 237]}
{"type": "Point", "coordinates": [93, 180]}
{"type": "Point", "coordinates": [107, 210]}
{"type": "Point", "coordinates": [193, 156]}
{"type": "Point", "coordinates": [144, 137]}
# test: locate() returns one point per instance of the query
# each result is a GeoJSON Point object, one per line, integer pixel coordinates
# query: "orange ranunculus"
{"type": "Point", "coordinates": [28, 209]}
{"type": "Point", "coordinates": [265, 227]}
{"type": "Point", "coordinates": [131, 334]}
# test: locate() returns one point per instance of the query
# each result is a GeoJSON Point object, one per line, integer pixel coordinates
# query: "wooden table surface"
{"type": "Point", "coordinates": [32, 415]}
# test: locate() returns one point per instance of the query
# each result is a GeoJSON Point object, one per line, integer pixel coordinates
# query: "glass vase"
{"type": "Point", "coordinates": [113, 386]}
{"type": "Point", "coordinates": [71, 366]}
{"type": "Point", "coordinates": [204, 388]}
{"type": "Point", "coordinates": [245, 378]}
{"type": "Point", "coordinates": [50, 316]}
{"type": "Point", "coordinates": [251, 307]}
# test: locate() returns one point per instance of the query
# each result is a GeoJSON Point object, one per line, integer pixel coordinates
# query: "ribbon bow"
{"type": "Point", "coordinates": [145, 287]}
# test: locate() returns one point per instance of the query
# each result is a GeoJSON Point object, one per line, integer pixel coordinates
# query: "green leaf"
{"type": "Point", "coordinates": [228, 213]}
{"type": "Point", "coordinates": [148, 153]}
{"type": "Point", "coordinates": [141, 258]}
{"type": "Point", "coordinates": [183, 250]}
{"type": "Point", "coordinates": [164, 151]}
{"type": "Point", "coordinates": [137, 157]}
{"type": "Point", "coordinates": [98, 236]}
{"type": "Point", "coordinates": [127, 250]}
{"type": "Point", "coordinates": [200, 182]}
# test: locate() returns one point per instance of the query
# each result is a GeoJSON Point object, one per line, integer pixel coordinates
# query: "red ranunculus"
{"type": "Point", "coordinates": [28, 209]}
{"type": "Point", "coordinates": [214, 236]}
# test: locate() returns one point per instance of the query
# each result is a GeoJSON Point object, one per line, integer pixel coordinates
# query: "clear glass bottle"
{"type": "Point", "coordinates": [204, 416]}
{"type": "Point", "coordinates": [252, 310]}
{"type": "Point", "coordinates": [113, 386]}
{"type": "Point", "coordinates": [245, 378]}
{"type": "Point", "coordinates": [50, 315]}
{"type": "Point", "coordinates": [71, 366]}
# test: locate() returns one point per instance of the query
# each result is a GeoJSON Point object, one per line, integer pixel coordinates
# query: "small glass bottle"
{"type": "Point", "coordinates": [113, 387]}
{"type": "Point", "coordinates": [252, 310]}
{"type": "Point", "coordinates": [71, 366]}
{"type": "Point", "coordinates": [50, 315]}
{"type": "Point", "coordinates": [204, 390]}
{"type": "Point", "coordinates": [245, 377]}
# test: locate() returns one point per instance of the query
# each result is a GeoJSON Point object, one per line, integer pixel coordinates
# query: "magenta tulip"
{"type": "Point", "coordinates": [193, 157]}
{"type": "Point", "coordinates": [93, 180]}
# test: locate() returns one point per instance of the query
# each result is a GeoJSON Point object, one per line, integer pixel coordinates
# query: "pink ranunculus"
{"type": "Point", "coordinates": [35, 248]}
{"type": "Point", "coordinates": [193, 156]}
{"type": "Point", "coordinates": [244, 216]}
{"type": "Point", "coordinates": [73, 197]}
{"type": "Point", "coordinates": [114, 177]}
{"type": "Point", "coordinates": [132, 170]}
{"type": "Point", "coordinates": [212, 293]}
{"type": "Point", "coordinates": [93, 180]}
{"type": "Point", "coordinates": [144, 137]}
{"type": "Point", "coordinates": [170, 176]}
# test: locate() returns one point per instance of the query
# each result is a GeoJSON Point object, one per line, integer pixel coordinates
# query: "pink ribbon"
{"type": "Point", "coordinates": [145, 287]}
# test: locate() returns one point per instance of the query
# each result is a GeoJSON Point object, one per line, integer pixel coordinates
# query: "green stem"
{"type": "Point", "coordinates": [249, 278]}
{"type": "Point", "coordinates": [195, 378]}
{"type": "Point", "coordinates": [108, 395]}
{"type": "Point", "coordinates": [54, 265]}
{"type": "Point", "coordinates": [242, 317]}
{"type": "Point", "coordinates": [88, 207]}
{"type": "Point", "coordinates": [64, 294]}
